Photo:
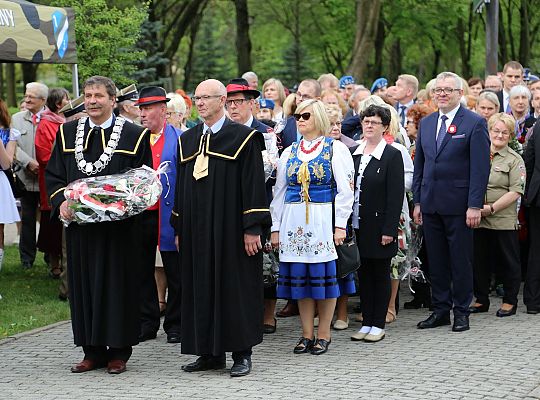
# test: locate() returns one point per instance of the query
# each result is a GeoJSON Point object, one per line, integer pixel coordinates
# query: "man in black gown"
{"type": "Point", "coordinates": [219, 214]}
{"type": "Point", "coordinates": [103, 258]}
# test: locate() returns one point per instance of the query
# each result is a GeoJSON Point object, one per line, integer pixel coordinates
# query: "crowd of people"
{"type": "Point", "coordinates": [282, 178]}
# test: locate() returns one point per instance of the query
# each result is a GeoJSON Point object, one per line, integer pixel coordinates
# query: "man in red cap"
{"type": "Point", "coordinates": [152, 105]}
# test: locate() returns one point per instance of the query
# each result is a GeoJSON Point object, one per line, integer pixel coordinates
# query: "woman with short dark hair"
{"type": "Point", "coordinates": [378, 199]}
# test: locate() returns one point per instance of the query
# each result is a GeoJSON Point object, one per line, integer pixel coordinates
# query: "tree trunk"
{"type": "Point", "coordinates": [243, 42]}
{"type": "Point", "coordinates": [503, 45]}
{"type": "Point", "coordinates": [463, 49]}
{"type": "Point", "coordinates": [524, 43]}
{"type": "Point", "coordinates": [395, 61]}
{"type": "Point", "coordinates": [188, 66]}
{"type": "Point", "coordinates": [509, 11]}
{"type": "Point", "coordinates": [29, 72]}
{"type": "Point", "coordinates": [10, 78]}
{"type": "Point", "coordinates": [367, 20]}
{"type": "Point", "coordinates": [379, 47]}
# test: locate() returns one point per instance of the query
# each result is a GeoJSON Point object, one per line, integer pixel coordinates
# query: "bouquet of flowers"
{"type": "Point", "coordinates": [270, 155]}
{"type": "Point", "coordinates": [410, 265]}
{"type": "Point", "coordinates": [113, 197]}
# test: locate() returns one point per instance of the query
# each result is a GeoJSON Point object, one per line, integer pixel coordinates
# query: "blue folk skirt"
{"type": "Point", "coordinates": [316, 281]}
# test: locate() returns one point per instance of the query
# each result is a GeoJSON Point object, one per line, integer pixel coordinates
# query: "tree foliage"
{"type": "Point", "coordinates": [106, 38]}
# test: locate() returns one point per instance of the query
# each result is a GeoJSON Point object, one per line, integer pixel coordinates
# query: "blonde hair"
{"type": "Point", "coordinates": [506, 119]}
{"type": "Point", "coordinates": [411, 81]}
{"type": "Point", "coordinates": [322, 123]}
{"type": "Point", "coordinates": [393, 127]}
{"type": "Point", "coordinates": [330, 78]}
{"type": "Point", "coordinates": [279, 87]}
{"type": "Point", "coordinates": [333, 111]}
{"type": "Point", "coordinates": [289, 105]}
{"type": "Point", "coordinates": [341, 102]}
{"type": "Point", "coordinates": [177, 103]}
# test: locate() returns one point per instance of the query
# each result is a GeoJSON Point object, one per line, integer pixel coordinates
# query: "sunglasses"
{"type": "Point", "coordinates": [305, 116]}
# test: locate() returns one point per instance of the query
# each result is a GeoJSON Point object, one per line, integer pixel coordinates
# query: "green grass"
{"type": "Point", "coordinates": [29, 297]}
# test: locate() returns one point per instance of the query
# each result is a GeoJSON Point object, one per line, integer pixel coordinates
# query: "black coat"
{"type": "Point", "coordinates": [381, 199]}
{"type": "Point", "coordinates": [532, 165]}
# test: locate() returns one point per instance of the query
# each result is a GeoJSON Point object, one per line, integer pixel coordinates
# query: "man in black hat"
{"type": "Point", "coordinates": [158, 232]}
{"type": "Point", "coordinates": [125, 104]}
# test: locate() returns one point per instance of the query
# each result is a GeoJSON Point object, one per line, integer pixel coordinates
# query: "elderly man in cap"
{"type": "Point", "coordinates": [346, 87]}
{"type": "Point", "coordinates": [219, 214]}
{"type": "Point", "coordinates": [157, 231]}
{"type": "Point", "coordinates": [125, 104]}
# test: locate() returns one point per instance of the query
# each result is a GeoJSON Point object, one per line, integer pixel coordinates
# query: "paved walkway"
{"type": "Point", "coordinates": [496, 359]}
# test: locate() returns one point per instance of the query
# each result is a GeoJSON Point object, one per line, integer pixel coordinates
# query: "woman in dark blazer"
{"type": "Point", "coordinates": [379, 187]}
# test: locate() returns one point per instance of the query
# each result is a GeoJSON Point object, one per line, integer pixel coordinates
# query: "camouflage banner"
{"type": "Point", "coordinates": [38, 34]}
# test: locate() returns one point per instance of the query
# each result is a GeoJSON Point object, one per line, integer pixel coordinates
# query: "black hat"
{"type": "Point", "coordinates": [73, 107]}
{"type": "Point", "coordinates": [151, 95]}
{"type": "Point", "coordinates": [127, 93]}
{"type": "Point", "coordinates": [240, 85]}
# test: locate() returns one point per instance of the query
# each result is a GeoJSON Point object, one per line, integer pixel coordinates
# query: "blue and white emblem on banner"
{"type": "Point", "coordinates": [61, 27]}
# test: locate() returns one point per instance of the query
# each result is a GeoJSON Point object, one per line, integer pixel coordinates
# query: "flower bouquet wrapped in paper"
{"type": "Point", "coordinates": [113, 197]}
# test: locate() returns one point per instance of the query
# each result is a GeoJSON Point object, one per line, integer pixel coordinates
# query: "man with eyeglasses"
{"type": "Point", "coordinates": [451, 171]}
{"type": "Point", "coordinates": [219, 214]}
{"type": "Point", "coordinates": [307, 90]}
{"type": "Point", "coordinates": [27, 122]}
{"type": "Point", "coordinates": [157, 232]}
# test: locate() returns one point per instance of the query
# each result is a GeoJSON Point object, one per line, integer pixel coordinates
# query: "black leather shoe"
{"type": "Point", "coordinates": [320, 346]}
{"type": "Point", "coordinates": [479, 309]}
{"type": "Point", "coordinates": [205, 363]}
{"type": "Point", "coordinates": [533, 310]}
{"type": "Point", "coordinates": [461, 323]}
{"type": "Point", "coordinates": [241, 367]}
{"type": "Point", "coordinates": [270, 328]}
{"type": "Point", "coordinates": [144, 336]}
{"type": "Point", "coordinates": [174, 337]}
{"type": "Point", "coordinates": [506, 313]}
{"type": "Point", "coordinates": [434, 320]}
{"type": "Point", "coordinates": [304, 345]}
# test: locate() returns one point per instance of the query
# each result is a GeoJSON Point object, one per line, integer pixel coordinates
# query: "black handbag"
{"type": "Point", "coordinates": [348, 260]}
{"type": "Point", "coordinates": [17, 186]}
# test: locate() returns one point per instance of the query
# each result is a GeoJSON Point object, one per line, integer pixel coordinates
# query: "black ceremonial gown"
{"type": "Point", "coordinates": [222, 287]}
{"type": "Point", "coordinates": [103, 259]}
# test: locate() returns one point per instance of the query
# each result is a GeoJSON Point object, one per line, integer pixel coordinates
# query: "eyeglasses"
{"type": "Point", "coordinates": [305, 116]}
{"type": "Point", "coordinates": [372, 123]}
{"type": "Point", "coordinates": [447, 91]}
{"type": "Point", "coordinates": [204, 98]}
{"type": "Point", "coordinates": [497, 132]}
{"type": "Point", "coordinates": [303, 96]}
{"type": "Point", "coordinates": [236, 102]}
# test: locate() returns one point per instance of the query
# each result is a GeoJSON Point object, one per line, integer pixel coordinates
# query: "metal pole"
{"type": "Point", "coordinates": [492, 37]}
{"type": "Point", "coordinates": [75, 80]}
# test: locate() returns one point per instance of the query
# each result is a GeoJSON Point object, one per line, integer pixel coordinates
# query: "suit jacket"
{"type": "Point", "coordinates": [532, 166]}
{"type": "Point", "coordinates": [501, 100]}
{"type": "Point", "coordinates": [382, 189]}
{"type": "Point", "coordinates": [259, 126]}
{"type": "Point", "coordinates": [454, 178]}
{"type": "Point", "coordinates": [288, 134]}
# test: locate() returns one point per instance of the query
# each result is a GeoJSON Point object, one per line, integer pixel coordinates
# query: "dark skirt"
{"type": "Point", "coordinates": [317, 281]}
{"type": "Point", "coordinates": [50, 234]}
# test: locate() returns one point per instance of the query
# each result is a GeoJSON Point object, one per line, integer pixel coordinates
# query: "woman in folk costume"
{"type": "Point", "coordinates": [312, 174]}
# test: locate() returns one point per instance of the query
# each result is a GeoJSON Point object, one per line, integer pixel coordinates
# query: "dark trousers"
{"type": "Point", "coordinates": [149, 296]}
{"type": "Point", "coordinates": [503, 246]}
{"type": "Point", "coordinates": [171, 263]}
{"type": "Point", "coordinates": [449, 245]}
{"type": "Point", "coordinates": [102, 354]}
{"type": "Point", "coordinates": [531, 291]}
{"type": "Point", "coordinates": [27, 242]}
{"type": "Point", "coordinates": [374, 287]}
{"type": "Point", "coordinates": [236, 355]}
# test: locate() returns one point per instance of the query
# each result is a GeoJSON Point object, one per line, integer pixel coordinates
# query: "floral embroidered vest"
{"type": "Point", "coordinates": [313, 177]}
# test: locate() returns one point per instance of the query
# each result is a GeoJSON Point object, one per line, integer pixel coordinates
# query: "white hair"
{"type": "Point", "coordinates": [177, 103]}
{"type": "Point", "coordinates": [41, 89]}
{"type": "Point", "coordinates": [520, 90]}
{"type": "Point", "coordinates": [249, 75]}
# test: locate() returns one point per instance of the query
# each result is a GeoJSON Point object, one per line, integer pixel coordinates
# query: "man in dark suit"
{"type": "Point", "coordinates": [512, 76]}
{"type": "Point", "coordinates": [451, 171]}
{"type": "Point", "coordinates": [307, 90]}
{"type": "Point", "coordinates": [240, 102]}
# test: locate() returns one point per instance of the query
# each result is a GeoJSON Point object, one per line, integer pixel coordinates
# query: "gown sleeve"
{"type": "Point", "coordinates": [255, 212]}
{"type": "Point", "coordinates": [343, 171]}
{"type": "Point", "coordinates": [278, 202]}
